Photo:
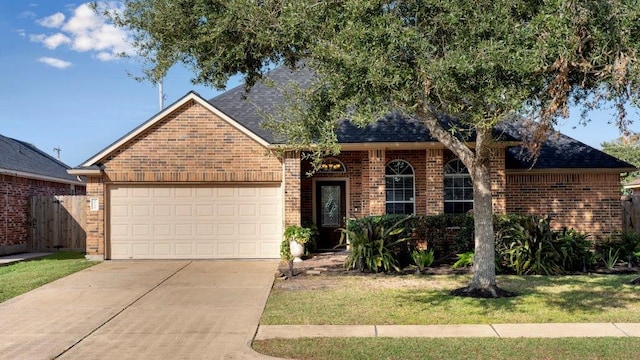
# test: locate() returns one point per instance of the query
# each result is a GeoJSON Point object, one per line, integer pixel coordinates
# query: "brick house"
{"type": "Point", "coordinates": [26, 171]}
{"type": "Point", "coordinates": [201, 179]}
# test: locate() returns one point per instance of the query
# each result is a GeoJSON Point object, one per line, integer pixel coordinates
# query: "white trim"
{"type": "Point", "coordinates": [84, 171]}
{"type": "Point", "coordinates": [39, 177]}
{"type": "Point", "coordinates": [164, 113]}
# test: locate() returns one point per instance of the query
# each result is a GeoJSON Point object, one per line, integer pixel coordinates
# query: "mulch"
{"type": "Point", "coordinates": [332, 264]}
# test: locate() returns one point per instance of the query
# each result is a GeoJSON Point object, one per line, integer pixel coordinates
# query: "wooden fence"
{"type": "Point", "coordinates": [57, 223]}
{"type": "Point", "coordinates": [631, 212]}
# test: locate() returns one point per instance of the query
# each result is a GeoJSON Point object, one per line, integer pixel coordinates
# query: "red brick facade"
{"type": "Point", "coordinates": [15, 193]}
{"type": "Point", "coordinates": [588, 202]}
{"type": "Point", "coordinates": [191, 145]}
{"type": "Point", "coordinates": [194, 145]}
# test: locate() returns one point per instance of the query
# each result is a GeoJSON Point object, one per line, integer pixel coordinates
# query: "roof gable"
{"type": "Point", "coordinates": [22, 159]}
{"type": "Point", "coordinates": [191, 96]}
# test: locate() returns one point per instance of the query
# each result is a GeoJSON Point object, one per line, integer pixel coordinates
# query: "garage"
{"type": "Point", "coordinates": [194, 222]}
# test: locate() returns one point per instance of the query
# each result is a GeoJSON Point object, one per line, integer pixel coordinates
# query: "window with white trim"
{"type": "Point", "coordinates": [400, 190]}
{"type": "Point", "coordinates": [458, 188]}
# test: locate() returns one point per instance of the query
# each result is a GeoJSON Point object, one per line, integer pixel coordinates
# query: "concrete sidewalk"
{"type": "Point", "coordinates": [546, 330]}
{"type": "Point", "coordinates": [12, 259]}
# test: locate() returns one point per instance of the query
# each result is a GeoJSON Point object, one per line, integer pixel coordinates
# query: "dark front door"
{"type": "Point", "coordinates": [331, 210]}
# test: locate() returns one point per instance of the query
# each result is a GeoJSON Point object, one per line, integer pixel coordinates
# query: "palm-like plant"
{"type": "Point", "coordinates": [372, 244]}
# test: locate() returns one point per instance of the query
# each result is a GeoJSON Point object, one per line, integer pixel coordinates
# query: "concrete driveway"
{"type": "Point", "coordinates": [141, 310]}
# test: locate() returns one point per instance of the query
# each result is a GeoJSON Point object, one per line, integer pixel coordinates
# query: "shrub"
{"type": "Point", "coordinates": [610, 258]}
{"type": "Point", "coordinates": [625, 245]}
{"type": "Point", "coordinates": [575, 249]}
{"type": "Point", "coordinates": [465, 259]}
{"type": "Point", "coordinates": [447, 234]}
{"type": "Point", "coordinates": [528, 246]}
{"type": "Point", "coordinates": [629, 245]}
{"type": "Point", "coordinates": [375, 242]}
{"type": "Point", "coordinates": [422, 258]}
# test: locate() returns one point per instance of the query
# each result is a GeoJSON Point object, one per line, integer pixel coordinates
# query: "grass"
{"type": "Point", "coordinates": [382, 299]}
{"type": "Point", "coordinates": [19, 278]}
{"type": "Point", "coordinates": [408, 300]}
{"type": "Point", "coordinates": [451, 348]}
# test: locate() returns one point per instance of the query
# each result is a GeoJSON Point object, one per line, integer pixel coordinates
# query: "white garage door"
{"type": "Point", "coordinates": [195, 222]}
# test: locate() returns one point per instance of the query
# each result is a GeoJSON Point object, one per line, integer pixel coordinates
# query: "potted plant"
{"type": "Point", "coordinates": [297, 236]}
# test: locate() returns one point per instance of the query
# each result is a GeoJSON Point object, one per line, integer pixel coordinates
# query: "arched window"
{"type": "Point", "coordinates": [458, 188]}
{"type": "Point", "coordinates": [400, 188]}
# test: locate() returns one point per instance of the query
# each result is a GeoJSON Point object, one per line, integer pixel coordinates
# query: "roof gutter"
{"type": "Point", "coordinates": [568, 170]}
{"type": "Point", "coordinates": [397, 145]}
{"type": "Point", "coordinates": [39, 177]}
{"type": "Point", "coordinates": [85, 172]}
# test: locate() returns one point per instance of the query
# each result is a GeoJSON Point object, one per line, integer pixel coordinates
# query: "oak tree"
{"type": "Point", "coordinates": [481, 62]}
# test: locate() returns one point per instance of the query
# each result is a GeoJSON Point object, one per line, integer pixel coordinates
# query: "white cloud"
{"type": "Point", "coordinates": [85, 31]}
{"type": "Point", "coordinates": [27, 15]}
{"type": "Point", "coordinates": [56, 63]}
{"type": "Point", "coordinates": [51, 42]}
{"type": "Point", "coordinates": [52, 21]}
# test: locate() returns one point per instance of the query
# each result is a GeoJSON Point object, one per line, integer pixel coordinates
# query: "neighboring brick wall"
{"type": "Point", "coordinates": [586, 202]}
{"type": "Point", "coordinates": [192, 145]}
{"type": "Point", "coordinates": [15, 193]}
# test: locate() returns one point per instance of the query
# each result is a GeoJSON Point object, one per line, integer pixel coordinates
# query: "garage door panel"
{"type": "Point", "coordinates": [195, 222]}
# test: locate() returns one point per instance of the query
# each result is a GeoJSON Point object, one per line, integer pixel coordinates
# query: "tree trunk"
{"type": "Point", "coordinates": [478, 163]}
{"type": "Point", "coordinates": [484, 266]}
{"type": "Point", "coordinates": [483, 283]}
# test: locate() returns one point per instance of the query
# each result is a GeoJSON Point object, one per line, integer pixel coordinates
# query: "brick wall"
{"type": "Point", "coordinates": [15, 193]}
{"type": "Point", "coordinates": [292, 195]}
{"type": "Point", "coordinates": [376, 183]}
{"type": "Point", "coordinates": [434, 167]}
{"type": "Point", "coordinates": [95, 219]}
{"type": "Point", "coordinates": [586, 202]}
{"type": "Point", "coordinates": [191, 145]}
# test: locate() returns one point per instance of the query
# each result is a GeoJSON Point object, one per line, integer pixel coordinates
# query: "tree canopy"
{"type": "Point", "coordinates": [626, 148]}
{"type": "Point", "coordinates": [480, 61]}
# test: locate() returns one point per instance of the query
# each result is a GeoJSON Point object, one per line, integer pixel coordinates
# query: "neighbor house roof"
{"type": "Point", "coordinates": [21, 159]}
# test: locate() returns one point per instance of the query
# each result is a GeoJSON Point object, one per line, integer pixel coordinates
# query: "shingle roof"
{"type": "Point", "coordinates": [559, 151]}
{"type": "Point", "coordinates": [248, 109]}
{"type": "Point", "coordinates": [562, 151]}
{"type": "Point", "coordinates": [19, 156]}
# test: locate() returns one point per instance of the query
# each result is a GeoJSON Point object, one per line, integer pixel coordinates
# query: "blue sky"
{"type": "Point", "coordinates": [61, 85]}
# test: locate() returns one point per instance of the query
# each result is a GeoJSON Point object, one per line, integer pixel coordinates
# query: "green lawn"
{"type": "Point", "coordinates": [408, 300]}
{"type": "Point", "coordinates": [452, 348]}
{"type": "Point", "coordinates": [22, 277]}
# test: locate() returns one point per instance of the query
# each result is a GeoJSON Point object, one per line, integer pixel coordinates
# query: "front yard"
{"type": "Point", "coordinates": [19, 278]}
{"type": "Point", "coordinates": [395, 299]}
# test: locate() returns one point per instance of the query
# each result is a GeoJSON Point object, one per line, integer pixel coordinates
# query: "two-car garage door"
{"type": "Point", "coordinates": [194, 222]}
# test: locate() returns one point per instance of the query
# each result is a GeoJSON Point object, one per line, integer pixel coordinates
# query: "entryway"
{"type": "Point", "coordinates": [330, 211]}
